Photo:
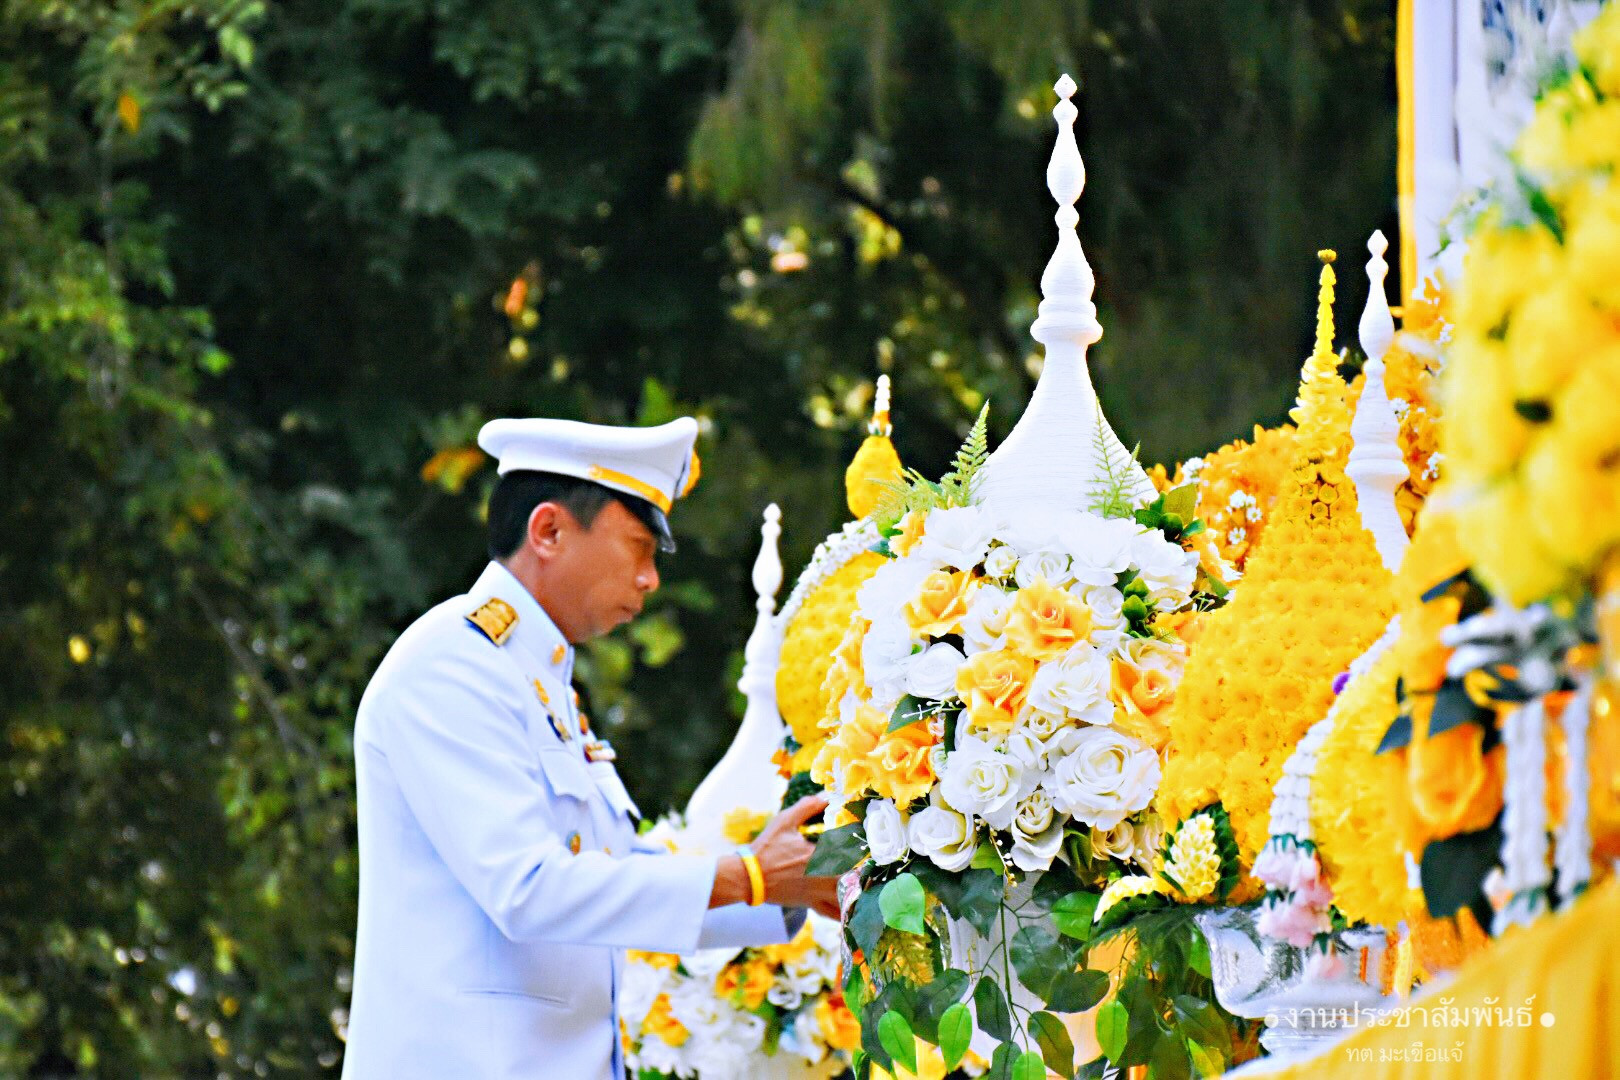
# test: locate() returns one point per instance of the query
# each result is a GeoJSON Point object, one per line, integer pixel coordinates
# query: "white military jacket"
{"type": "Point", "coordinates": [499, 872]}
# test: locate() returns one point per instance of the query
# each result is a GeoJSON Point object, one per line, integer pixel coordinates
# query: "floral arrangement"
{"type": "Point", "coordinates": [1532, 426]}
{"type": "Point", "coordinates": [1313, 598]}
{"type": "Point", "coordinates": [1237, 486]}
{"type": "Point", "coordinates": [773, 1011]}
{"type": "Point", "coordinates": [997, 713]}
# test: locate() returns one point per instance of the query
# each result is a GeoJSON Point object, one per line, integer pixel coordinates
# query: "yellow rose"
{"type": "Point", "coordinates": [1586, 416]}
{"type": "Point", "coordinates": [746, 981]}
{"type": "Point", "coordinates": [911, 532]}
{"type": "Point", "coordinates": [1143, 685]}
{"type": "Point", "coordinates": [1510, 559]}
{"type": "Point", "coordinates": [661, 1023]}
{"type": "Point", "coordinates": [940, 604]}
{"type": "Point", "coordinates": [1503, 265]}
{"type": "Point", "coordinates": [1598, 48]}
{"type": "Point", "coordinates": [1044, 622]}
{"type": "Point", "coordinates": [1574, 503]}
{"type": "Point", "coordinates": [1481, 431]}
{"type": "Point", "coordinates": [846, 760]}
{"type": "Point", "coordinates": [994, 685]}
{"type": "Point", "coordinates": [1455, 786]}
{"type": "Point", "coordinates": [1424, 656]}
{"type": "Point", "coordinates": [1550, 335]}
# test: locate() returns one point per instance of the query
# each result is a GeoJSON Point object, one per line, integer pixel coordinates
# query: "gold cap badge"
{"type": "Point", "coordinates": [495, 619]}
{"type": "Point", "coordinates": [573, 843]}
{"type": "Point", "coordinates": [558, 653]}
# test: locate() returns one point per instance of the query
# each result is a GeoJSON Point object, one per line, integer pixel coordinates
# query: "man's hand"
{"type": "Point", "coordinates": [782, 855]}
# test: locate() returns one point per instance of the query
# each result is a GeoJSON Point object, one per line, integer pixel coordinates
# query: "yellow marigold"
{"type": "Point", "coordinates": [1262, 671]}
{"type": "Point", "coordinates": [940, 604]}
{"type": "Point", "coordinates": [839, 1027]}
{"type": "Point", "coordinates": [1126, 888]}
{"type": "Point", "coordinates": [1044, 622]}
{"type": "Point", "coordinates": [741, 825]}
{"type": "Point", "coordinates": [660, 1023]}
{"type": "Point", "coordinates": [1358, 838]}
{"type": "Point", "coordinates": [994, 685]}
{"type": "Point", "coordinates": [1195, 861]}
{"type": "Point", "coordinates": [745, 981]}
{"type": "Point", "coordinates": [1237, 488]}
{"type": "Point", "coordinates": [810, 645]}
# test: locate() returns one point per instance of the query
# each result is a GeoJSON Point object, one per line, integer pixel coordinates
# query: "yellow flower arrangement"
{"type": "Point", "coordinates": [1531, 435]}
{"type": "Point", "coordinates": [1237, 488]}
{"type": "Point", "coordinates": [870, 758]}
{"type": "Point", "coordinates": [1195, 860]}
{"type": "Point", "coordinates": [1312, 600]}
{"type": "Point", "coordinates": [810, 647]}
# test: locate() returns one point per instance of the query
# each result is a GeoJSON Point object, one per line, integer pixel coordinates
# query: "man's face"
{"type": "Point", "coordinates": [601, 575]}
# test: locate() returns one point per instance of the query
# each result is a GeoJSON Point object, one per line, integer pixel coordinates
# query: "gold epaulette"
{"type": "Point", "coordinates": [495, 619]}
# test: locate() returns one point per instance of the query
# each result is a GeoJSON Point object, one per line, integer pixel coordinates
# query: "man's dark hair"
{"type": "Point", "coordinates": [518, 492]}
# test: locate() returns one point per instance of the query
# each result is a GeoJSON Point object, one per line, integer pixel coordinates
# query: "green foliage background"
{"type": "Point", "coordinates": [252, 261]}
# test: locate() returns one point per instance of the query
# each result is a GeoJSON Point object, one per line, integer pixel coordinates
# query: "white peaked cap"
{"type": "Point", "coordinates": [654, 464]}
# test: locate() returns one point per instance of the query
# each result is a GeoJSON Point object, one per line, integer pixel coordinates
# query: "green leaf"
{"type": "Point", "coordinates": [838, 851]}
{"type": "Point", "coordinates": [955, 1033]}
{"type": "Point", "coordinates": [1453, 870]}
{"type": "Point", "coordinates": [1201, 1022]}
{"type": "Point", "coordinates": [1038, 956]}
{"type": "Point", "coordinates": [1113, 1023]}
{"type": "Point", "coordinates": [933, 1000]}
{"type": "Point", "coordinates": [1454, 708]}
{"type": "Point", "coordinates": [895, 1035]}
{"type": "Point", "coordinates": [908, 711]}
{"type": "Point", "coordinates": [1053, 1039]}
{"type": "Point", "coordinates": [1077, 991]}
{"type": "Point", "coordinates": [990, 1004]}
{"type": "Point", "coordinates": [986, 857]}
{"type": "Point", "coordinates": [982, 892]}
{"type": "Point", "coordinates": [1205, 1061]}
{"type": "Point", "coordinates": [1029, 1066]}
{"type": "Point", "coordinates": [1398, 734]}
{"type": "Point", "coordinates": [866, 922]}
{"type": "Point", "coordinates": [1198, 952]}
{"type": "Point", "coordinates": [1001, 1062]}
{"type": "Point", "coordinates": [1169, 1060]}
{"type": "Point", "coordinates": [1074, 913]}
{"type": "Point", "coordinates": [902, 901]}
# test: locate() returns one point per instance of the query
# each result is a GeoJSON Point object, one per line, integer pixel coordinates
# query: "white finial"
{"type": "Point", "coordinates": [880, 400]}
{"type": "Point", "coordinates": [1376, 464]}
{"type": "Point", "coordinates": [1059, 451]}
{"type": "Point", "coordinates": [745, 776]}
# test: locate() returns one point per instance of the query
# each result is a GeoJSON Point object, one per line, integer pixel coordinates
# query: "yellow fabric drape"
{"type": "Point", "coordinates": [1560, 975]}
{"type": "Point", "coordinates": [1406, 146]}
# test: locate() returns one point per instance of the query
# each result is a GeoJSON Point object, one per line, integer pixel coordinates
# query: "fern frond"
{"type": "Point", "coordinates": [957, 485]}
{"type": "Point", "coordinates": [1112, 496]}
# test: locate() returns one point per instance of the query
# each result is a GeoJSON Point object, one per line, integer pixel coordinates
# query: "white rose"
{"type": "Point", "coordinates": [932, 674]}
{"type": "Point", "coordinates": [1001, 562]}
{"type": "Point", "coordinates": [986, 619]}
{"type": "Point", "coordinates": [1028, 749]}
{"type": "Point", "coordinates": [1042, 725]}
{"type": "Point", "coordinates": [983, 782]}
{"type": "Point", "coordinates": [785, 996]}
{"type": "Point", "coordinates": [1148, 837]}
{"type": "Point", "coordinates": [890, 588]}
{"type": "Point", "coordinates": [942, 835]}
{"type": "Point", "coordinates": [1116, 843]}
{"type": "Point", "coordinates": [886, 658]}
{"type": "Point", "coordinates": [885, 832]}
{"type": "Point", "coordinates": [1101, 548]}
{"type": "Point", "coordinates": [1051, 567]}
{"type": "Point", "coordinates": [1037, 833]}
{"type": "Point", "coordinates": [1074, 685]}
{"type": "Point", "coordinates": [957, 537]}
{"type": "Point", "coordinates": [1103, 778]}
{"type": "Point", "coordinates": [1167, 569]}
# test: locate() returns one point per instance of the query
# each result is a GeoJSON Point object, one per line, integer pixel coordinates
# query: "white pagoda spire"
{"type": "Point", "coordinates": [1058, 454]}
{"type": "Point", "coordinates": [1376, 465]}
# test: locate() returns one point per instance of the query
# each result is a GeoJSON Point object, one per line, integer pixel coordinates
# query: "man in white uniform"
{"type": "Point", "coordinates": [499, 870]}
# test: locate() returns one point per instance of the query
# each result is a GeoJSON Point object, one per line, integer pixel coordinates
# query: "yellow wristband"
{"type": "Point", "coordinates": [756, 876]}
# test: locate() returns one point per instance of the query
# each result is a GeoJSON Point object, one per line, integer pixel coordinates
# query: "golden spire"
{"type": "Point", "coordinates": [876, 462]}
{"type": "Point", "coordinates": [1322, 402]}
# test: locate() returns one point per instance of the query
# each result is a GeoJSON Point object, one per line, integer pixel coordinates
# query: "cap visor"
{"type": "Point", "coordinates": [660, 522]}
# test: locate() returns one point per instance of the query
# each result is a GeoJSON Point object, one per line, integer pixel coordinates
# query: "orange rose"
{"type": "Point", "coordinates": [839, 1028]}
{"type": "Point", "coordinates": [1045, 621]}
{"type": "Point", "coordinates": [940, 604]}
{"type": "Point", "coordinates": [1143, 685]}
{"type": "Point", "coordinates": [901, 767]}
{"type": "Point", "coordinates": [994, 685]}
{"type": "Point", "coordinates": [747, 982]}
{"type": "Point", "coordinates": [846, 759]}
{"type": "Point", "coordinates": [1456, 787]}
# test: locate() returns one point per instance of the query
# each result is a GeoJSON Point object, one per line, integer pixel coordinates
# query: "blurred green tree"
{"type": "Point", "coordinates": [265, 268]}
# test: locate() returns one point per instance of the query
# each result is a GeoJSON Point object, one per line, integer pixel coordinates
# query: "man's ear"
{"type": "Point", "coordinates": [549, 523]}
